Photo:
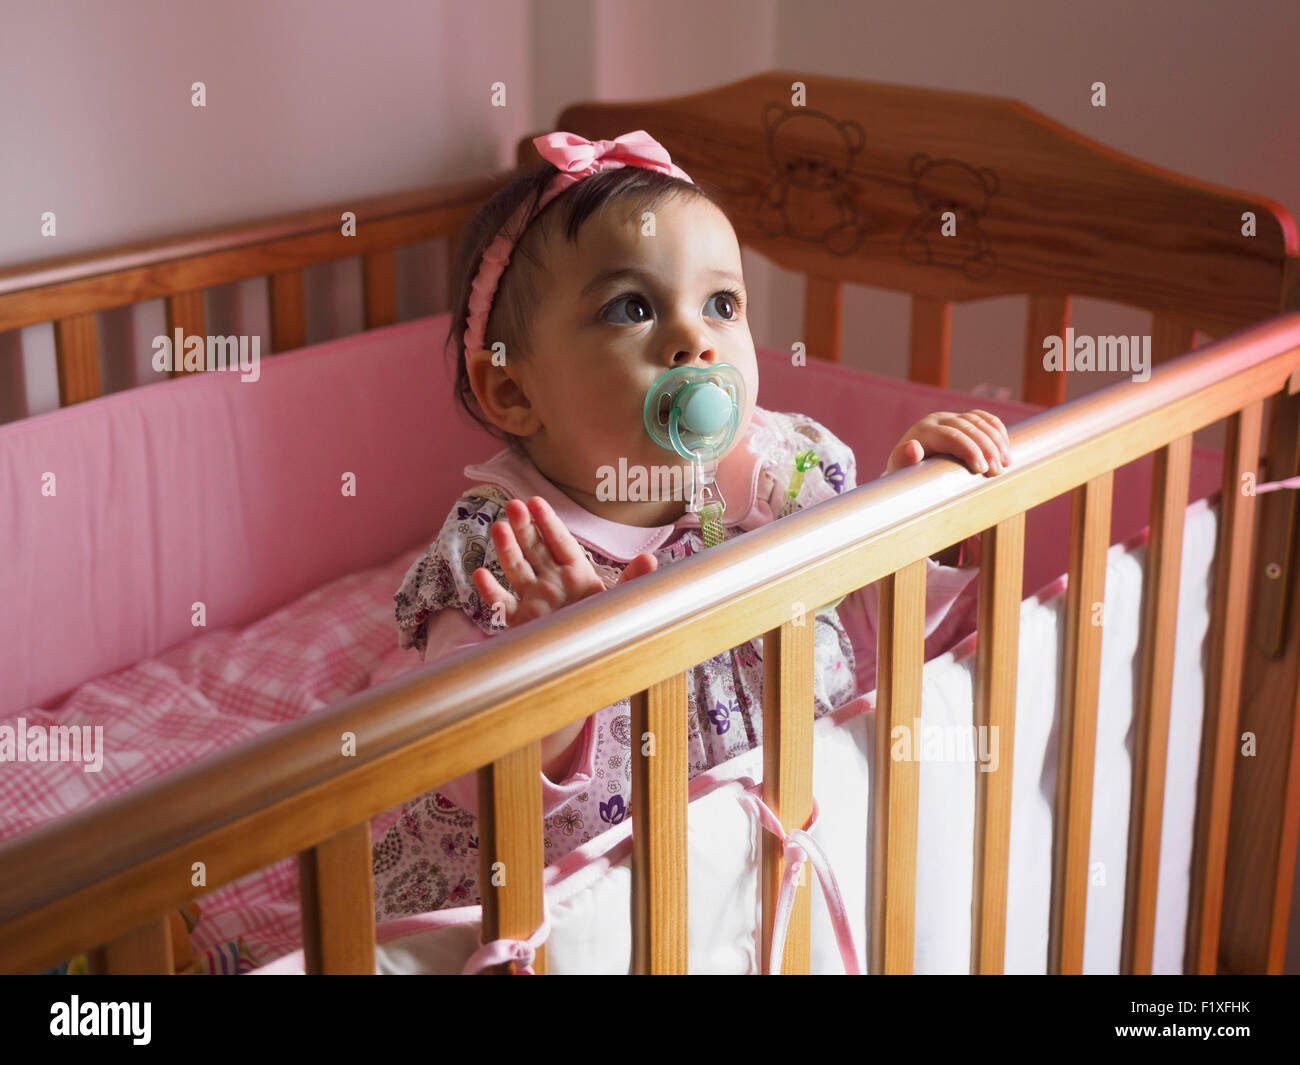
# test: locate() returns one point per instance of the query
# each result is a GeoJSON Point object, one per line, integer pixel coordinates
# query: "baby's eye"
{"type": "Point", "coordinates": [728, 300]}
{"type": "Point", "coordinates": [631, 301]}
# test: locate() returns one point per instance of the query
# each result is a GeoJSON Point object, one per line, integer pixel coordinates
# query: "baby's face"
{"type": "Point", "coordinates": [600, 341]}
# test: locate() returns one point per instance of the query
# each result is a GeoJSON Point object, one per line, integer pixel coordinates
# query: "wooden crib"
{"type": "Point", "coordinates": [844, 182]}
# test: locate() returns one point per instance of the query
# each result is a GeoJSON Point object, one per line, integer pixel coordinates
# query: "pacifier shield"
{"type": "Point", "coordinates": [695, 411]}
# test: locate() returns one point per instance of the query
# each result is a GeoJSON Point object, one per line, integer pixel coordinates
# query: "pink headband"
{"type": "Point", "coordinates": [576, 158]}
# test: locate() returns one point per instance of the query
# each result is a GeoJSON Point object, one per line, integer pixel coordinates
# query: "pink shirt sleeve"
{"type": "Point", "coordinates": [450, 631]}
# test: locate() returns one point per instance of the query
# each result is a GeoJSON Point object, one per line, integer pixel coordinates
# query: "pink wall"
{"type": "Point", "coordinates": [310, 103]}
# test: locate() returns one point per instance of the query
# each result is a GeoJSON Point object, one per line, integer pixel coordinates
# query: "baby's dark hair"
{"type": "Point", "coordinates": [517, 294]}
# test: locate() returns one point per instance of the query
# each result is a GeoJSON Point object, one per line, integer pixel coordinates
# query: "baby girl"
{"type": "Point", "coordinates": [619, 339]}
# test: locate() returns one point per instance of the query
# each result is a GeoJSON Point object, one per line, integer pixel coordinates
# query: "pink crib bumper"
{"type": "Point", "coordinates": [123, 513]}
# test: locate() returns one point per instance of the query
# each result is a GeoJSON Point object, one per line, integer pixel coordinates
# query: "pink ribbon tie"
{"type": "Point", "coordinates": [1273, 486]}
{"type": "Point", "coordinates": [797, 847]}
{"type": "Point", "coordinates": [523, 952]}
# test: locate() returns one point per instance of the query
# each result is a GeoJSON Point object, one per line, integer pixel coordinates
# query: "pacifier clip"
{"type": "Point", "coordinates": [707, 501]}
{"type": "Point", "coordinates": [803, 462]}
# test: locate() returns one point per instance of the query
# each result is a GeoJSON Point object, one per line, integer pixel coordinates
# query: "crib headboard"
{"type": "Point", "coordinates": [851, 181]}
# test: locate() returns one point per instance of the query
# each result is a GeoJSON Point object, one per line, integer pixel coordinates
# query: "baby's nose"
{"type": "Point", "coordinates": [684, 358]}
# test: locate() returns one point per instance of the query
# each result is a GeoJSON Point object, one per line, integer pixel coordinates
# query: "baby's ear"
{"type": "Point", "coordinates": [500, 394]}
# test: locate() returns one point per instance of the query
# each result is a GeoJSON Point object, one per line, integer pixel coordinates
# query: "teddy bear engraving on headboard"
{"type": "Point", "coordinates": [949, 185]}
{"type": "Point", "coordinates": [810, 195]}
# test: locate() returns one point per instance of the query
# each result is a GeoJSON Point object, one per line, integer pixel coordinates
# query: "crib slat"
{"type": "Point", "coordinates": [1280, 511]}
{"type": "Point", "coordinates": [787, 775]}
{"type": "Point", "coordinates": [1048, 316]}
{"type": "Point", "coordinates": [931, 331]}
{"type": "Point", "coordinates": [659, 794]}
{"type": "Point", "coordinates": [288, 311]}
{"type": "Point", "coordinates": [1219, 730]}
{"type": "Point", "coordinates": [1170, 337]}
{"type": "Point", "coordinates": [900, 653]}
{"type": "Point", "coordinates": [1279, 517]}
{"type": "Point", "coordinates": [337, 893]}
{"type": "Point", "coordinates": [1169, 490]}
{"type": "Point", "coordinates": [453, 243]}
{"type": "Point", "coordinates": [143, 951]}
{"type": "Point", "coordinates": [822, 303]}
{"type": "Point", "coordinates": [379, 280]}
{"type": "Point", "coordinates": [185, 312]}
{"type": "Point", "coordinates": [76, 353]}
{"type": "Point", "coordinates": [1081, 671]}
{"type": "Point", "coordinates": [511, 850]}
{"type": "Point", "coordinates": [1002, 554]}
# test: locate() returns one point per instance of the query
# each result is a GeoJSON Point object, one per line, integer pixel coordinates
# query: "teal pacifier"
{"type": "Point", "coordinates": [695, 411]}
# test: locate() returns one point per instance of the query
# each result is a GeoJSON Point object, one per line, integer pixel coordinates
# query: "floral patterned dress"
{"type": "Point", "coordinates": [429, 859]}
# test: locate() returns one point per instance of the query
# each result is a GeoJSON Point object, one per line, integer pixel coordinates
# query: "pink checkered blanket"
{"type": "Point", "coordinates": [210, 693]}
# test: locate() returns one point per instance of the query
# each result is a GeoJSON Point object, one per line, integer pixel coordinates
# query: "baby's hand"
{"type": "Point", "coordinates": [977, 438]}
{"type": "Point", "coordinates": [544, 564]}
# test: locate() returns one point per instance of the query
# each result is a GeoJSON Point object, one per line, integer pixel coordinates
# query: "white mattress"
{"type": "Point", "coordinates": [589, 907]}
{"type": "Point", "coordinates": [945, 834]}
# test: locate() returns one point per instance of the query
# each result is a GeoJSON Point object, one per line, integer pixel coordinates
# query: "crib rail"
{"type": "Point", "coordinates": [294, 792]}
{"type": "Point", "coordinates": [69, 291]}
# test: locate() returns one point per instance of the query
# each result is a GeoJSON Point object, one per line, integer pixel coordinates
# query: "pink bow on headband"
{"type": "Point", "coordinates": [576, 158]}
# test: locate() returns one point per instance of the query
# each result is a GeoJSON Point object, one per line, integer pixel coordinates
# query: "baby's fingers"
{"type": "Point", "coordinates": [511, 538]}
{"type": "Point", "coordinates": [958, 439]}
{"type": "Point", "coordinates": [990, 451]}
{"type": "Point", "coordinates": [993, 425]}
{"type": "Point", "coordinates": [641, 565]}
{"type": "Point", "coordinates": [559, 541]}
{"type": "Point", "coordinates": [502, 604]}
